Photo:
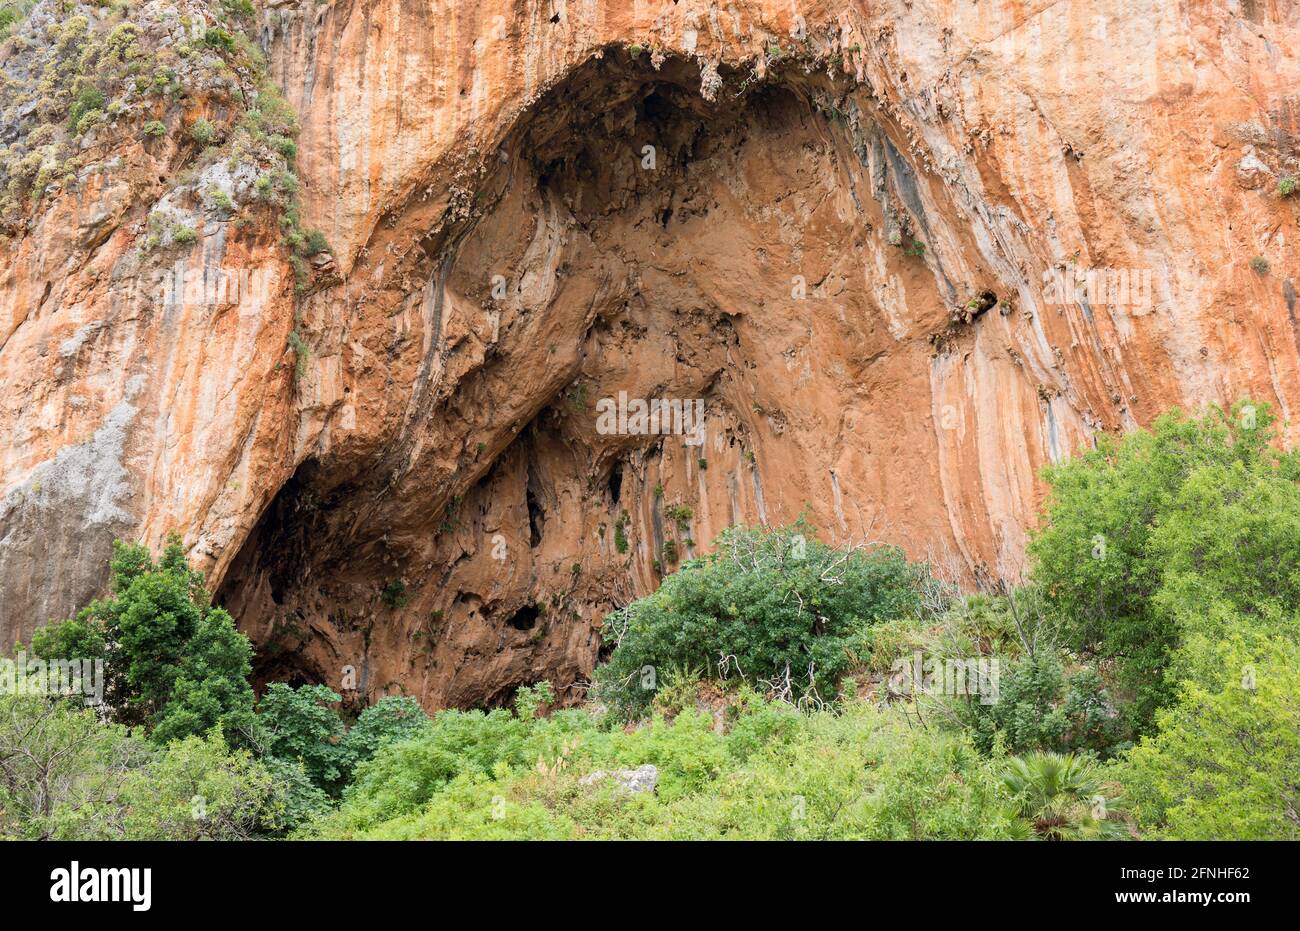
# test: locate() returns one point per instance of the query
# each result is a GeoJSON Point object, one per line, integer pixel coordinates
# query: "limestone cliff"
{"type": "Point", "coordinates": [904, 252]}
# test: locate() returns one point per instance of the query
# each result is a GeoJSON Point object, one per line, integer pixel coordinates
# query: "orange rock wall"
{"type": "Point", "coordinates": [506, 260]}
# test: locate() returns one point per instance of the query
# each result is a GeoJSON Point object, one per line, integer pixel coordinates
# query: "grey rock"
{"type": "Point", "coordinates": [642, 779]}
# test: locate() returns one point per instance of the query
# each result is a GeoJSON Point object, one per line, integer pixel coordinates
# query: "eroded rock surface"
{"type": "Point", "coordinates": [852, 231]}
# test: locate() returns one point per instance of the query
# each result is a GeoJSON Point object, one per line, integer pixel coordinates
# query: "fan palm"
{"type": "Point", "coordinates": [1062, 796]}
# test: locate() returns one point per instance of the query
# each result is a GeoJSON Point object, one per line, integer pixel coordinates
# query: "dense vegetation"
{"type": "Point", "coordinates": [1147, 684]}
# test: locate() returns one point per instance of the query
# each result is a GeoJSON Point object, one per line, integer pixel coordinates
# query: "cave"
{"type": "Point", "coordinates": [525, 618]}
{"type": "Point", "coordinates": [630, 222]}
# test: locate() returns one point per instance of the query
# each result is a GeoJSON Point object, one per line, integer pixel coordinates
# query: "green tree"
{"type": "Point", "coordinates": [56, 757]}
{"type": "Point", "coordinates": [299, 724]}
{"type": "Point", "coordinates": [1225, 763]}
{"type": "Point", "coordinates": [393, 718]}
{"type": "Point", "coordinates": [1229, 549]}
{"type": "Point", "coordinates": [1128, 528]}
{"type": "Point", "coordinates": [173, 662]}
{"type": "Point", "coordinates": [211, 688]}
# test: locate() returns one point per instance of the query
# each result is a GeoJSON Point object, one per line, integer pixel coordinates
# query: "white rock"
{"type": "Point", "coordinates": [642, 779]}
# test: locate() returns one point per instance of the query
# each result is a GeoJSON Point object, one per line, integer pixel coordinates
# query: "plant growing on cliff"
{"type": "Point", "coordinates": [680, 514]}
{"type": "Point", "coordinates": [620, 532]}
{"type": "Point", "coordinates": [90, 99]}
{"type": "Point", "coordinates": [394, 595]}
{"type": "Point", "coordinates": [203, 131]}
{"type": "Point", "coordinates": [314, 243]}
{"type": "Point", "coordinates": [301, 355]}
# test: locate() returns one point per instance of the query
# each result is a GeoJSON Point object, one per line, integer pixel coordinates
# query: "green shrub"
{"type": "Point", "coordinates": [1040, 707]}
{"type": "Point", "coordinates": [219, 39]}
{"type": "Point", "coordinates": [58, 760]}
{"type": "Point", "coordinates": [299, 725]}
{"type": "Point", "coordinates": [777, 773]}
{"type": "Point", "coordinates": [202, 131]}
{"type": "Point", "coordinates": [287, 148]}
{"type": "Point", "coordinates": [775, 606]}
{"type": "Point", "coordinates": [315, 243]}
{"type": "Point", "coordinates": [389, 720]}
{"type": "Point", "coordinates": [405, 775]}
{"type": "Point", "coordinates": [620, 532]}
{"type": "Point", "coordinates": [154, 129]}
{"type": "Point", "coordinates": [88, 120]}
{"type": "Point", "coordinates": [241, 9]}
{"type": "Point", "coordinates": [194, 789]}
{"type": "Point", "coordinates": [394, 594]}
{"type": "Point", "coordinates": [88, 99]}
{"type": "Point", "coordinates": [295, 801]}
{"type": "Point", "coordinates": [1063, 796]}
{"type": "Point", "coordinates": [220, 199]}
{"type": "Point", "coordinates": [302, 353]}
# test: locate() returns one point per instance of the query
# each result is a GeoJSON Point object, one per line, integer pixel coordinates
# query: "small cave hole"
{"type": "Point", "coordinates": [536, 519]}
{"type": "Point", "coordinates": [657, 108]}
{"type": "Point", "coordinates": [525, 618]}
{"type": "Point", "coordinates": [616, 482]}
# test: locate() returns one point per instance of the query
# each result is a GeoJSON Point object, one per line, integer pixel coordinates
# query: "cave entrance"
{"type": "Point", "coordinates": [525, 618]}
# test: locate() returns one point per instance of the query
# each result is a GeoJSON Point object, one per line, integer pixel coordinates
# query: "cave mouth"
{"type": "Point", "coordinates": [426, 502]}
{"type": "Point", "coordinates": [525, 618]}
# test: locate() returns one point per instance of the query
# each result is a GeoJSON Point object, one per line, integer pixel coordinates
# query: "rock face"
{"type": "Point", "coordinates": [902, 254]}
